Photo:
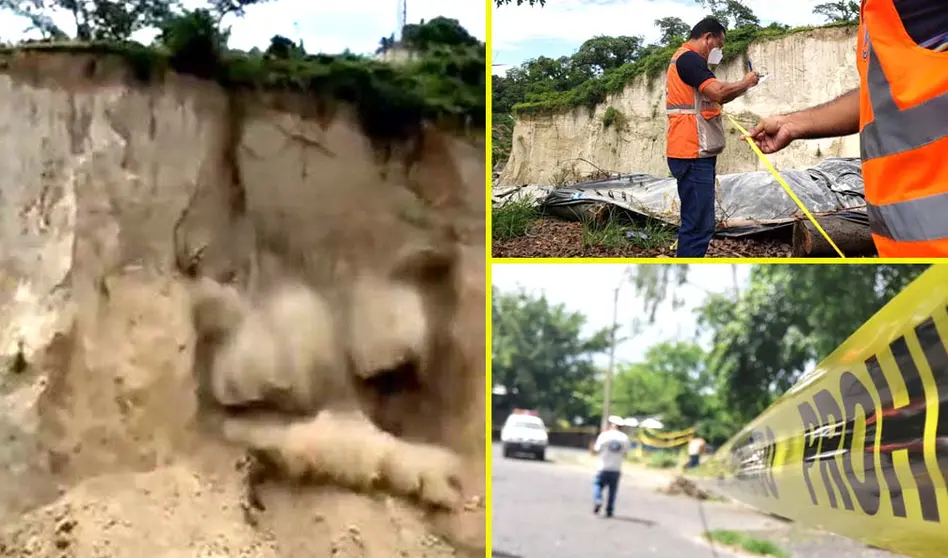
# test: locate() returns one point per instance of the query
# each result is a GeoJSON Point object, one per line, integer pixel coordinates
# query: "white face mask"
{"type": "Point", "coordinates": [715, 56]}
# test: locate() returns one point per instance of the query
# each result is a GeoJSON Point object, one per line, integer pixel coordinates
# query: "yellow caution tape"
{"type": "Point", "coordinates": [858, 446]}
{"type": "Point", "coordinates": [670, 435]}
{"type": "Point", "coordinates": [783, 183]}
{"type": "Point", "coordinates": [656, 443]}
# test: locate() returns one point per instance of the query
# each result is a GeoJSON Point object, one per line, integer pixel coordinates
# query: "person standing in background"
{"type": "Point", "coordinates": [696, 447]}
{"type": "Point", "coordinates": [611, 445]}
{"type": "Point", "coordinates": [696, 132]}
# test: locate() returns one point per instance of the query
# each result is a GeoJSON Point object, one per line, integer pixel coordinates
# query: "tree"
{"type": "Point", "coordinates": [541, 359]}
{"type": "Point", "coordinates": [34, 11]}
{"type": "Point", "coordinates": [733, 14]}
{"type": "Point", "coordinates": [500, 3]}
{"type": "Point", "coordinates": [112, 20]}
{"type": "Point", "coordinates": [439, 31]}
{"type": "Point", "coordinates": [195, 41]}
{"type": "Point", "coordinates": [673, 382]}
{"type": "Point", "coordinates": [841, 11]}
{"type": "Point", "coordinates": [670, 382]}
{"type": "Point", "coordinates": [602, 53]}
{"type": "Point", "coordinates": [789, 318]}
{"type": "Point", "coordinates": [657, 283]}
{"type": "Point", "coordinates": [223, 8]}
{"type": "Point", "coordinates": [94, 19]}
{"type": "Point", "coordinates": [283, 48]}
{"type": "Point", "coordinates": [674, 30]}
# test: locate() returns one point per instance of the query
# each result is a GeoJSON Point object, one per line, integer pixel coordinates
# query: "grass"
{"type": "Point", "coordinates": [652, 64]}
{"type": "Point", "coordinates": [445, 85]}
{"type": "Point", "coordinates": [612, 234]}
{"type": "Point", "coordinates": [760, 547]}
{"type": "Point", "coordinates": [662, 459]}
{"type": "Point", "coordinates": [512, 219]}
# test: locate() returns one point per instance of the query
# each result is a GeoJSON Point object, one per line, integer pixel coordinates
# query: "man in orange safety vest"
{"type": "Point", "coordinates": [695, 131]}
{"type": "Point", "coordinates": [901, 113]}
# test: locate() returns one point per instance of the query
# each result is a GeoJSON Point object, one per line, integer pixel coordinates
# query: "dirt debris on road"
{"type": "Point", "coordinates": [554, 238]}
{"type": "Point", "coordinates": [686, 487]}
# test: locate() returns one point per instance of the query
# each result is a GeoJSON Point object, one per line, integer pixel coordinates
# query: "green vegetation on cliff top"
{"type": "Point", "coordinates": [444, 83]}
{"type": "Point", "coordinates": [652, 62]}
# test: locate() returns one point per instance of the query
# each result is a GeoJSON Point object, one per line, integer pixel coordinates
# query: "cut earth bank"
{"type": "Point", "coordinates": [111, 188]}
{"type": "Point", "coordinates": [806, 68]}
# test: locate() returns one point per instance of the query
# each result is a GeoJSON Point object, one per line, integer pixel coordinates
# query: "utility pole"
{"type": "Point", "coordinates": [607, 395]}
{"type": "Point", "coordinates": [402, 17]}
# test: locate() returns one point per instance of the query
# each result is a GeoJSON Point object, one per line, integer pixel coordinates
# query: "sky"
{"type": "Point", "coordinates": [328, 27]}
{"type": "Point", "coordinates": [589, 288]}
{"type": "Point", "coordinates": [520, 32]}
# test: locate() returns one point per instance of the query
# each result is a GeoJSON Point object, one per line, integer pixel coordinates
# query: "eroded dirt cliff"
{"type": "Point", "coordinates": [110, 189]}
{"type": "Point", "coordinates": [805, 68]}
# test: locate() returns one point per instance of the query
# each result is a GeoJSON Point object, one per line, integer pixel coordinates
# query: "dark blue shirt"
{"type": "Point", "coordinates": [926, 21]}
{"type": "Point", "coordinates": [693, 69]}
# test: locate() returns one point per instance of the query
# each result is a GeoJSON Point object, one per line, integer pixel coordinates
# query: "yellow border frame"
{"type": "Point", "coordinates": [488, 262]}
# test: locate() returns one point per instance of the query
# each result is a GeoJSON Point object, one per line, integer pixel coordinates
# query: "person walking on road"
{"type": "Point", "coordinates": [696, 446]}
{"type": "Point", "coordinates": [900, 110]}
{"type": "Point", "coordinates": [611, 445]}
{"type": "Point", "coordinates": [696, 132]}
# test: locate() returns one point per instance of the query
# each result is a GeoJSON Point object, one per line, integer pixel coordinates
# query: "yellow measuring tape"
{"type": "Point", "coordinates": [783, 183]}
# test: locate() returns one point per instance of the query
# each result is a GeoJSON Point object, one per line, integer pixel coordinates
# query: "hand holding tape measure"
{"type": "Point", "coordinates": [780, 179]}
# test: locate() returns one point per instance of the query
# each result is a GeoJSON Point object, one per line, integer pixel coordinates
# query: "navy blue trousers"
{"type": "Point", "coordinates": [696, 190]}
{"type": "Point", "coordinates": [610, 481]}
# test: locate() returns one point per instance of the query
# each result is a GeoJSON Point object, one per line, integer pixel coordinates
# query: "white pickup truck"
{"type": "Point", "coordinates": [524, 432]}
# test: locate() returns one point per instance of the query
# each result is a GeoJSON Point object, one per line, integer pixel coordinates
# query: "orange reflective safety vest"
{"type": "Point", "coordinates": [695, 128]}
{"type": "Point", "coordinates": [903, 136]}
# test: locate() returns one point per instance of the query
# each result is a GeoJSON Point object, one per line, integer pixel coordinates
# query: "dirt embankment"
{"type": "Point", "coordinates": [109, 189]}
{"type": "Point", "coordinates": [805, 69]}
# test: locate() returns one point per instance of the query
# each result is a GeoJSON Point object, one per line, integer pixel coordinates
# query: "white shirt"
{"type": "Point", "coordinates": [695, 446]}
{"type": "Point", "coordinates": [612, 445]}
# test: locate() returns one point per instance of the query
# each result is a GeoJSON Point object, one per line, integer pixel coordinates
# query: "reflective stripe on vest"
{"type": "Point", "coordinates": [893, 131]}
{"type": "Point", "coordinates": [680, 109]}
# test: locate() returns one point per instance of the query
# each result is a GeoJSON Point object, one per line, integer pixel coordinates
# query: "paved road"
{"type": "Point", "coordinates": [544, 510]}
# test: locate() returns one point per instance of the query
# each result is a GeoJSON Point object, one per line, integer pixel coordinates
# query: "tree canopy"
{"type": "Point", "coordinates": [841, 11]}
{"type": "Point", "coordinates": [788, 319]}
{"type": "Point", "coordinates": [541, 359]}
{"type": "Point", "coordinates": [113, 20]}
{"type": "Point", "coordinates": [440, 31]}
{"type": "Point", "coordinates": [604, 65]}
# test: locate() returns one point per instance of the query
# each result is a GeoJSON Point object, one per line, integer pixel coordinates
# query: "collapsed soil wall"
{"type": "Point", "coordinates": [806, 69]}
{"type": "Point", "coordinates": [108, 189]}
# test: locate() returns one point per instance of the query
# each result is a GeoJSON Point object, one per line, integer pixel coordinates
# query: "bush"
{"type": "Point", "coordinates": [613, 117]}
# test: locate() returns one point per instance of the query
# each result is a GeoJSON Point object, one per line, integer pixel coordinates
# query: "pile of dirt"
{"type": "Point", "coordinates": [178, 511]}
{"type": "Point", "coordinates": [686, 487]}
{"type": "Point", "coordinates": [554, 238]}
